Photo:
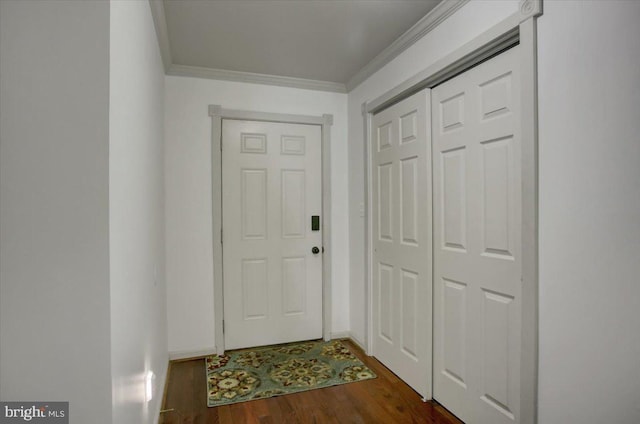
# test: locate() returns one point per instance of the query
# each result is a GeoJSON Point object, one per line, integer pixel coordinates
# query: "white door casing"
{"type": "Point", "coordinates": [272, 185]}
{"type": "Point", "coordinates": [477, 242]}
{"type": "Point", "coordinates": [402, 286]}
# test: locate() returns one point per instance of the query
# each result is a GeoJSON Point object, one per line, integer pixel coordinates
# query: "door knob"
{"type": "Point", "coordinates": [315, 250]}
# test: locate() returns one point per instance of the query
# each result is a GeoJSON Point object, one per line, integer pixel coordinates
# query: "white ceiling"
{"type": "Point", "coordinates": [324, 40]}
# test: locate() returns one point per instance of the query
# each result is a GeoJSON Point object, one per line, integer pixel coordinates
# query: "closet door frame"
{"type": "Point", "coordinates": [519, 28]}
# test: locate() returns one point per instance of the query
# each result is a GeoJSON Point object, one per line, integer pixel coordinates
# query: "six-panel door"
{"type": "Point", "coordinates": [477, 237]}
{"type": "Point", "coordinates": [271, 178]}
{"type": "Point", "coordinates": [401, 183]}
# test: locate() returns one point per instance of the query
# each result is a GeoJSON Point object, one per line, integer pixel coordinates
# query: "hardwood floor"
{"type": "Point", "coordinates": [385, 399]}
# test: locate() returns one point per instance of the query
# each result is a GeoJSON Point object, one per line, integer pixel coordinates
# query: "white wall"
{"type": "Point", "coordinates": [188, 196]}
{"type": "Point", "coordinates": [136, 219]}
{"type": "Point", "coordinates": [471, 20]}
{"type": "Point", "coordinates": [589, 123]}
{"type": "Point", "coordinates": [54, 193]}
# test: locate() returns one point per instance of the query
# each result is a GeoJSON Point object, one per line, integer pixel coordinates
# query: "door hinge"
{"type": "Point", "coordinates": [223, 326]}
{"type": "Point", "coordinates": [220, 235]}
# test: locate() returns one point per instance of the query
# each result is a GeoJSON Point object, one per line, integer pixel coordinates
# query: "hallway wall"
{"type": "Point", "coordinates": [54, 205]}
{"type": "Point", "coordinates": [136, 214]}
{"type": "Point", "coordinates": [589, 206]}
{"type": "Point", "coordinates": [188, 196]}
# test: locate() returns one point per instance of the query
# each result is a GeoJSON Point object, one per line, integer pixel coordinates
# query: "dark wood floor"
{"type": "Point", "coordinates": [385, 399]}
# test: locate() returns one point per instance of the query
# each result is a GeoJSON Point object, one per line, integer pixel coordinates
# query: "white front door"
{"type": "Point", "coordinates": [272, 186]}
{"type": "Point", "coordinates": [401, 187]}
{"type": "Point", "coordinates": [477, 239]}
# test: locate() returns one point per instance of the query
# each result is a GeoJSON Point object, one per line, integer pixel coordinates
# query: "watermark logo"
{"type": "Point", "coordinates": [34, 412]}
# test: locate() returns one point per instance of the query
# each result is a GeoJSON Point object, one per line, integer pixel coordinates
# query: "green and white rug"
{"type": "Point", "coordinates": [278, 370]}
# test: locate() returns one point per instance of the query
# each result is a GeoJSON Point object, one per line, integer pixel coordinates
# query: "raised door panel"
{"type": "Point", "coordinates": [293, 145]}
{"type": "Point", "coordinates": [293, 203]}
{"type": "Point", "coordinates": [454, 330]}
{"type": "Point", "coordinates": [255, 288]}
{"type": "Point", "coordinates": [495, 96]}
{"type": "Point", "coordinates": [294, 285]}
{"type": "Point", "coordinates": [254, 204]}
{"type": "Point", "coordinates": [385, 201]}
{"type": "Point", "coordinates": [409, 326]}
{"type": "Point", "coordinates": [452, 113]}
{"type": "Point", "coordinates": [497, 325]}
{"type": "Point", "coordinates": [497, 199]}
{"type": "Point", "coordinates": [453, 200]}
{"type": "Point", "coordinates": [409, 127]}
{"type": "Point", "coordinates": [253, 143]}
{"type": "Point", "coordinates": [409, 200]}
{"type": "Point", "coordinates": [384, 136]}
{"type": "Point", "coordinates": [385, 302]}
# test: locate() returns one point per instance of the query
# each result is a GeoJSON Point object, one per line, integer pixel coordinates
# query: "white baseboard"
{"type": "Point", "coordinates": [357, 342]}
{"type": "Point", "coordinates": [348, 335]}
{"type": "Point", "coordinates": [340, 335]}
{"type": "Point", "coordinates": [191, 354]}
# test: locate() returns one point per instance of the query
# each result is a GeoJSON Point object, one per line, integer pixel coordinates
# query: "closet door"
{"type": "Point", "coordinates": [401, 240]}
{"type": "Point", "coordinates": [477, 242]}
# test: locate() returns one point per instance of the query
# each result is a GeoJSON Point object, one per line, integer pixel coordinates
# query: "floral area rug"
{"type": "Point", "coordinates": [278, 370]}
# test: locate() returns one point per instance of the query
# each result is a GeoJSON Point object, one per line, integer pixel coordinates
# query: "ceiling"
{"type": "Point", "coordinates": [320, 40]}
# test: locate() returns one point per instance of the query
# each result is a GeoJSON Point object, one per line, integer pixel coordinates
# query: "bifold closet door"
{"type": "Point", "coordinates": [477, 242]}
{"type": "Point", "coordinates": [401, 240]}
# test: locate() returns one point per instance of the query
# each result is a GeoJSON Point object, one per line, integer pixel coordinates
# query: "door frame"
{"type": "Point", "coordinates": [518, 29]}
{"type": "Point", "coordinates": [217, 114]}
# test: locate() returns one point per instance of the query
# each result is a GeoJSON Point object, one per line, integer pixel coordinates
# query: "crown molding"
{"type": "Point", "coordinates": [425, 25]}
{"type": "Point", "coordinates": [437, 15]}
{"type": "Point", "coordinates": [162, 33]}
{"type": "Point", "coordinates": [250, 77]}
